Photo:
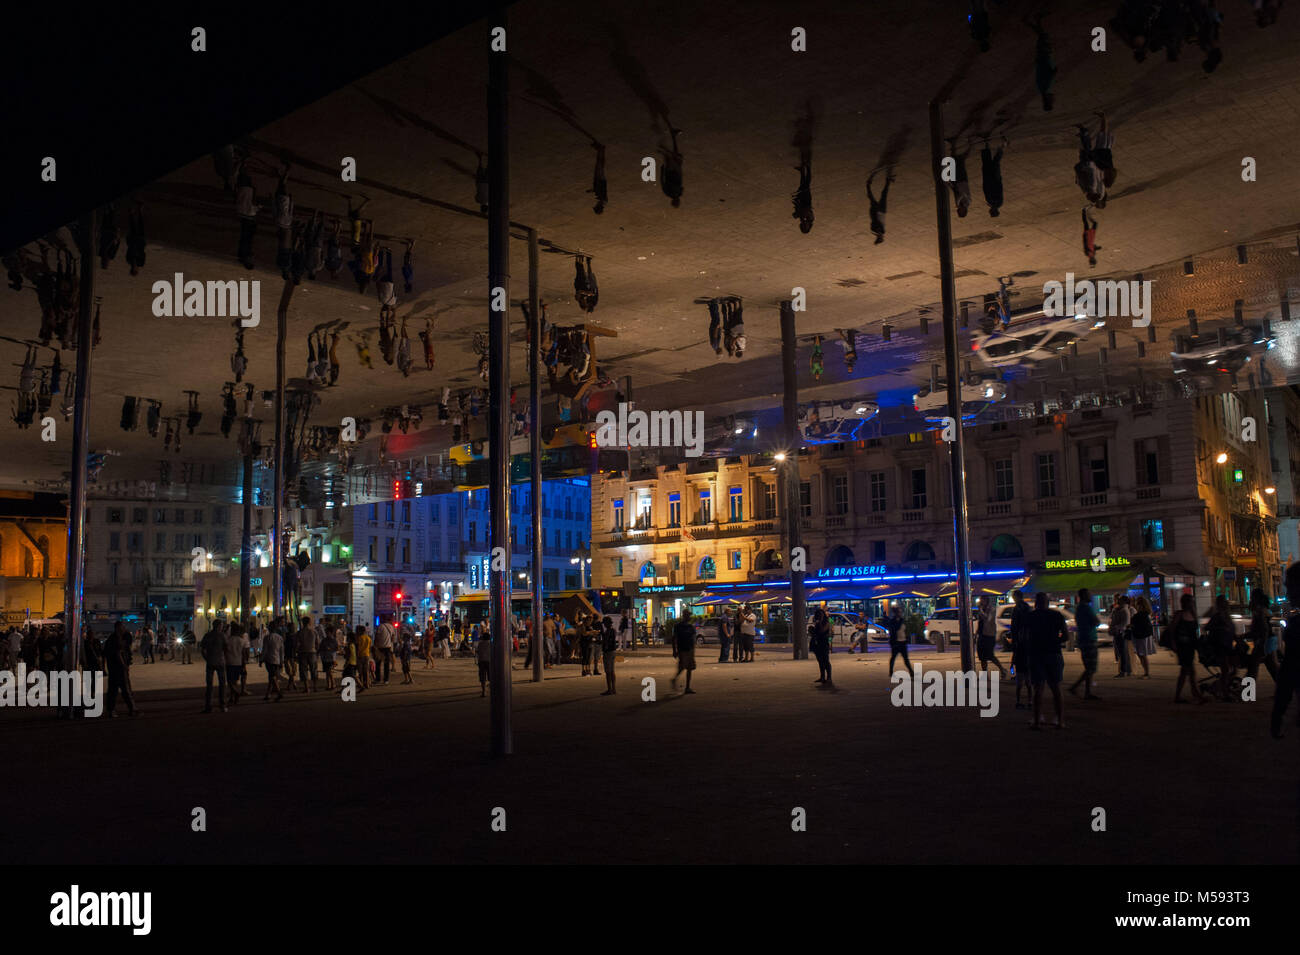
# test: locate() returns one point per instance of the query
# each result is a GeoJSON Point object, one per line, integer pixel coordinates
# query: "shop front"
{"type": "Point", "coordinates": [1063, 578]}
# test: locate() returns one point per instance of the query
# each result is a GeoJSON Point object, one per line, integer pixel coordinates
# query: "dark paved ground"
{"type": "Point", "coordinates": [403, 775]}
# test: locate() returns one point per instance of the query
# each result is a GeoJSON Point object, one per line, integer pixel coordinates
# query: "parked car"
{"type": "Point", "coordinates": [942, 626]}
{"type": "Point", "coordinates": [844, 629]}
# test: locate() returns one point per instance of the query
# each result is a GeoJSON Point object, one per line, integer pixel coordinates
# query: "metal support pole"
{"type": "Point", "coordinates": [246, 545]}
{"type": "Point", "coordinates": [535, 446]}
{"type": "Point", "coordinates": [956, 448]}
{"type": "Point", "coordinates": [277, 505]}
{"type": "Point", "coordinates": [499, 391]}
{"type": "Point", "coordinates": [790, 470]}
{"type": "Point", "coordinates": [75, 576]}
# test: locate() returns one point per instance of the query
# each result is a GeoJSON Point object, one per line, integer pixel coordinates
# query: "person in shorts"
{"type": "Point", "coordinates": [684, 650]}
{"type": "Point", "coordinates": [986, 641]}
{"type": "Point", "coordinates": [1086, 622]}
{"type": "Point", "coordinates": [1047, 633]}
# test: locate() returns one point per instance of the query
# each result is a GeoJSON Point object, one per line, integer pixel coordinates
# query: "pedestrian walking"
{"type": "Point", "coordinates": [405, 650]}
{"type": "Point", "coordinates": [1086, 622]}
{"type": "Point", "coordinates": [1183, 641]}
{"type": "Point", "coordinates": [724, 637]}
{"type": "Point", "coordinates": [385, 640]}
{"type": "Point", "coordinates": [117, 661]}
{"type": "Point", "coordinates": [1121, 618]}
{"type": "Point", "coordinates": [146, 644]}
{"type": "Point", "coordinates": [961, 181]}
{"type": "Point", "coordinates": [991, 174]}
{"type": "Point", "coordinates": [1263, 640]}
{"type": "Point", "coordinates": [363, 657]}
{"type": "Point", "coordinates": [232, 638]}
{"type": "Point", "coordinates": [272, 659]}
{"type": "Point", "coordinates": [1019, 634]}
{"type": "Point", "coordinates": [819, 642]}
{"type": "Point", "coordinates": [878, 205]}
{"type": "Point", "coordinates": [684, 650]}
{"type": "Point", "coordinates": [1048, 633]}
{"type": "Point", "coordinates": [326, 651]}
{"type": "Point", "coordinates": [1143, 634]}
{"type": "Point", "coordinates": [1090, 246]}
{"type": "Point", "coordinates": [897, 639]}
{"type": "Point", "coordinates": [213, 651]}
{"type": "Point", "coordinates": [306, 645]}
{"type": "Point", "coordinates": [986, 641]}
{"type": "Point", "coordinates": [1288, 675]}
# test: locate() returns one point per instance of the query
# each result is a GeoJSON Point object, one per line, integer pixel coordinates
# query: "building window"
{"type": "Point", "coordinates": [370, 553]}
{"type": "Point", "coordinates": [769, 501]}
{"type": "Point", "coordinates": [198, 515]}
{"type": "Point", "coordinates": [179, 516]}
{"type": "Point", "coordinates": [918, 488]}
{"type": "Point", "coordinates": [648, 571]}
{"type": "Point", "coordinates": [137, 515]}
{"type": "Point", "coordinates": [178, 571]}
{"type": "Point", "coordinates": [550, 578]}
{"type": "Point", "coordinates": [220, 515]}
{"type": "Point", "coordinates": [877, 485]}
{"type": "Point", "coordinates": [196, 540]}
{"type": "Point", "coordinates": [568, 540]}
{"type": "Point", "coordinates": [644, 518]}
{"type": "Point", "coordinates": [159, 515]}
{"type": "Point", "coordinates": [406, 550]}
{"type": "Point", "coordinates": [918, 551]}
{"type": "Point", "coordinates": [706, 506]}
{"type": "Point", "coordinates": [159, 541]}
{"type": "Point", "coordinates": [1096, 472]}
{"type": "Point", "coordinates": [1147, 454]}
{"type": "Point", "coordinates": [115, 515]}
{"type": "Point", "coordinates": [618, 513]}
{"type": "Point", "coordinates": [805, 499]}
{"type": "Point", "coordinates": [388, 511]}
{"type": "Point", "coordinates": [708, 569]}
{"type": "Point", "coordinates": [434, 508]}
{"type": "Point", "coordinates": [674, 510]}
{"type": "Point", "coordinates": [112, 574]}
{"type": "Point", "coordinates": [878, 552]}
{"type": "Point", "coordinates": [115, 541]}
{"type": "Point", "coordinates": [390, 550]}
{"type": "Point", "coordinates": [406, 512]}
{"type": "Point", "coordinates": [618, 566]}
{"type": "Point", "coordinates": [178, 543]}
{"type": "Point", "coordinates": [733, 560]}
{"type": "Point", "coordinates": [472, 534]}
{"type": "Point", "coordinates": [1004, 480]}
{"type": "Point", "coordinates": [374, 513]}
{"type": "Point", "coordinates": [1052, 542]}
{"type": "Point", "coordinates": [1046, 467]}
{"type": "Point", "coordinates": [839, 494]}
{"type": "Point", "coordinates": [159, 571]}
{"type": "Point", "coordinates": [1005, 547]}
{"type": "Point", "coordinates": [737, 503]}
{"type": "Point", "coordinates": [137, 572]}
{"type": "Point", "coordinates": [674, 561]}
{"type": "Point", "coordinates": [435, 550]}
{"type": "Point", "coordinates": [1153, 535]}
{"type": "Point", "coordinates": [134, 541]}
{"type": "Point", "coordinates": [219, 542]}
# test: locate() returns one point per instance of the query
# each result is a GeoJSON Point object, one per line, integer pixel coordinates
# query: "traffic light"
{"type": "Point", "coordinates": [397, 597]}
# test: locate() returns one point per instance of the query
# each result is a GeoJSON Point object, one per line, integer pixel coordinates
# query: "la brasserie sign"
{"type": "Point", "coordinates": [863, 570]}
{"type": "Point", "coordinates": [1082, 563]}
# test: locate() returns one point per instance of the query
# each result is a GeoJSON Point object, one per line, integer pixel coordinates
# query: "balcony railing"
{"type": "Point", "coordinates": [999, 508]}
{"type": "Point", "coordinates": [1096, 499]}
{"type": "Point", "coordinates": [835, 522]}
{"type": "Point", "coordinates": [1047, 504]}
{"type": "Point", "coordinates": [914, 516]}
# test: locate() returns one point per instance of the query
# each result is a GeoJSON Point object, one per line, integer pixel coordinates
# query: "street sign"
{"type": "Point", "coordinates": [335, 610]}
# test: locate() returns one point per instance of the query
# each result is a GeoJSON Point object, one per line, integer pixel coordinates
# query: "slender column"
{"type": "Point", "coordinates": [75, 575]}
{"type": "Point", "coordinates": [499, 391]}
{"type": "Point", "coordinates": [956, 447]}
{"type": "Point", "coordinates": [246, 544]}
{"type": "Point", "coordinates": [790, 470]}
{"type": "Point", "coordinates": [535, 445]}
{"type": "Point", "coordinates": [277, 505]}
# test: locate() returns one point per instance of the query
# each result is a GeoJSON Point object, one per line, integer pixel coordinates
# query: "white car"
{"type": "Point", "coordinates": [834, 422]}
{"type": "Point", "coordinates": [844, 629]}
{"type": "Point", "coordinates": [974, 396]}
{"type": "Point", "coordinates": [942, 627]}
{"type": "Point", "coordinates": [1021, 344]}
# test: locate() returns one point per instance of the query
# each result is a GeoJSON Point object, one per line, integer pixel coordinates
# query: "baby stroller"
{"type": "Point", "coordinates": [1217, 661]}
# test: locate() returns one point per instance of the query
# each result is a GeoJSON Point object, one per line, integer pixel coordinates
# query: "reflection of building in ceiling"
{"type": "Point", "coordinates": [1142, 483]}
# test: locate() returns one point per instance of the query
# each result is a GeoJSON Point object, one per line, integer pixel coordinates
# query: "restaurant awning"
{"type": "Point", "coordinates": [1071, 581]}
{"type": "Point", "coordinates": [708, 599]}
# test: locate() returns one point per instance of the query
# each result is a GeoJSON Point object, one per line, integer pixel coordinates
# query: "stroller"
{"type": "Point", "coordinates": [1218, 661]}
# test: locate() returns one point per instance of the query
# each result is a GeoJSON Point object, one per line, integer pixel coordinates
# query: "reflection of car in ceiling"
{"type": "Point", "coordinates": [1022, 344]}
{"type": "Point", "coordinates": [1225, 354]}
{"type": "Point", "coordinates": [975, 397]}
{"type": "Point", "coordinates": [834, 422]}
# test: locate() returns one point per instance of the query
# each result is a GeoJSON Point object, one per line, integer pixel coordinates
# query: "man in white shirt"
{"type": "Point", "coordinates": [306, 643]}
{"type": "Point", "coordinates": [385, 637]}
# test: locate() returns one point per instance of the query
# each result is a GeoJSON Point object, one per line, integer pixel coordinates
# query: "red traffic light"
{"type": "Point", "coordinates": [398, 596]}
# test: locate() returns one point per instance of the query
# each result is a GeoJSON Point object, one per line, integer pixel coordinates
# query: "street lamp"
{"type": "Point", "coordinates": [1222, 458]}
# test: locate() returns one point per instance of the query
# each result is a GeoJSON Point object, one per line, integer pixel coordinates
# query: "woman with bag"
{"type": "Point", "coordinates": [1186, 634]}
{"type": "Point", "coordinates": [819, 643]}
{"type": "Point", "coordinates": [1144, 643]}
